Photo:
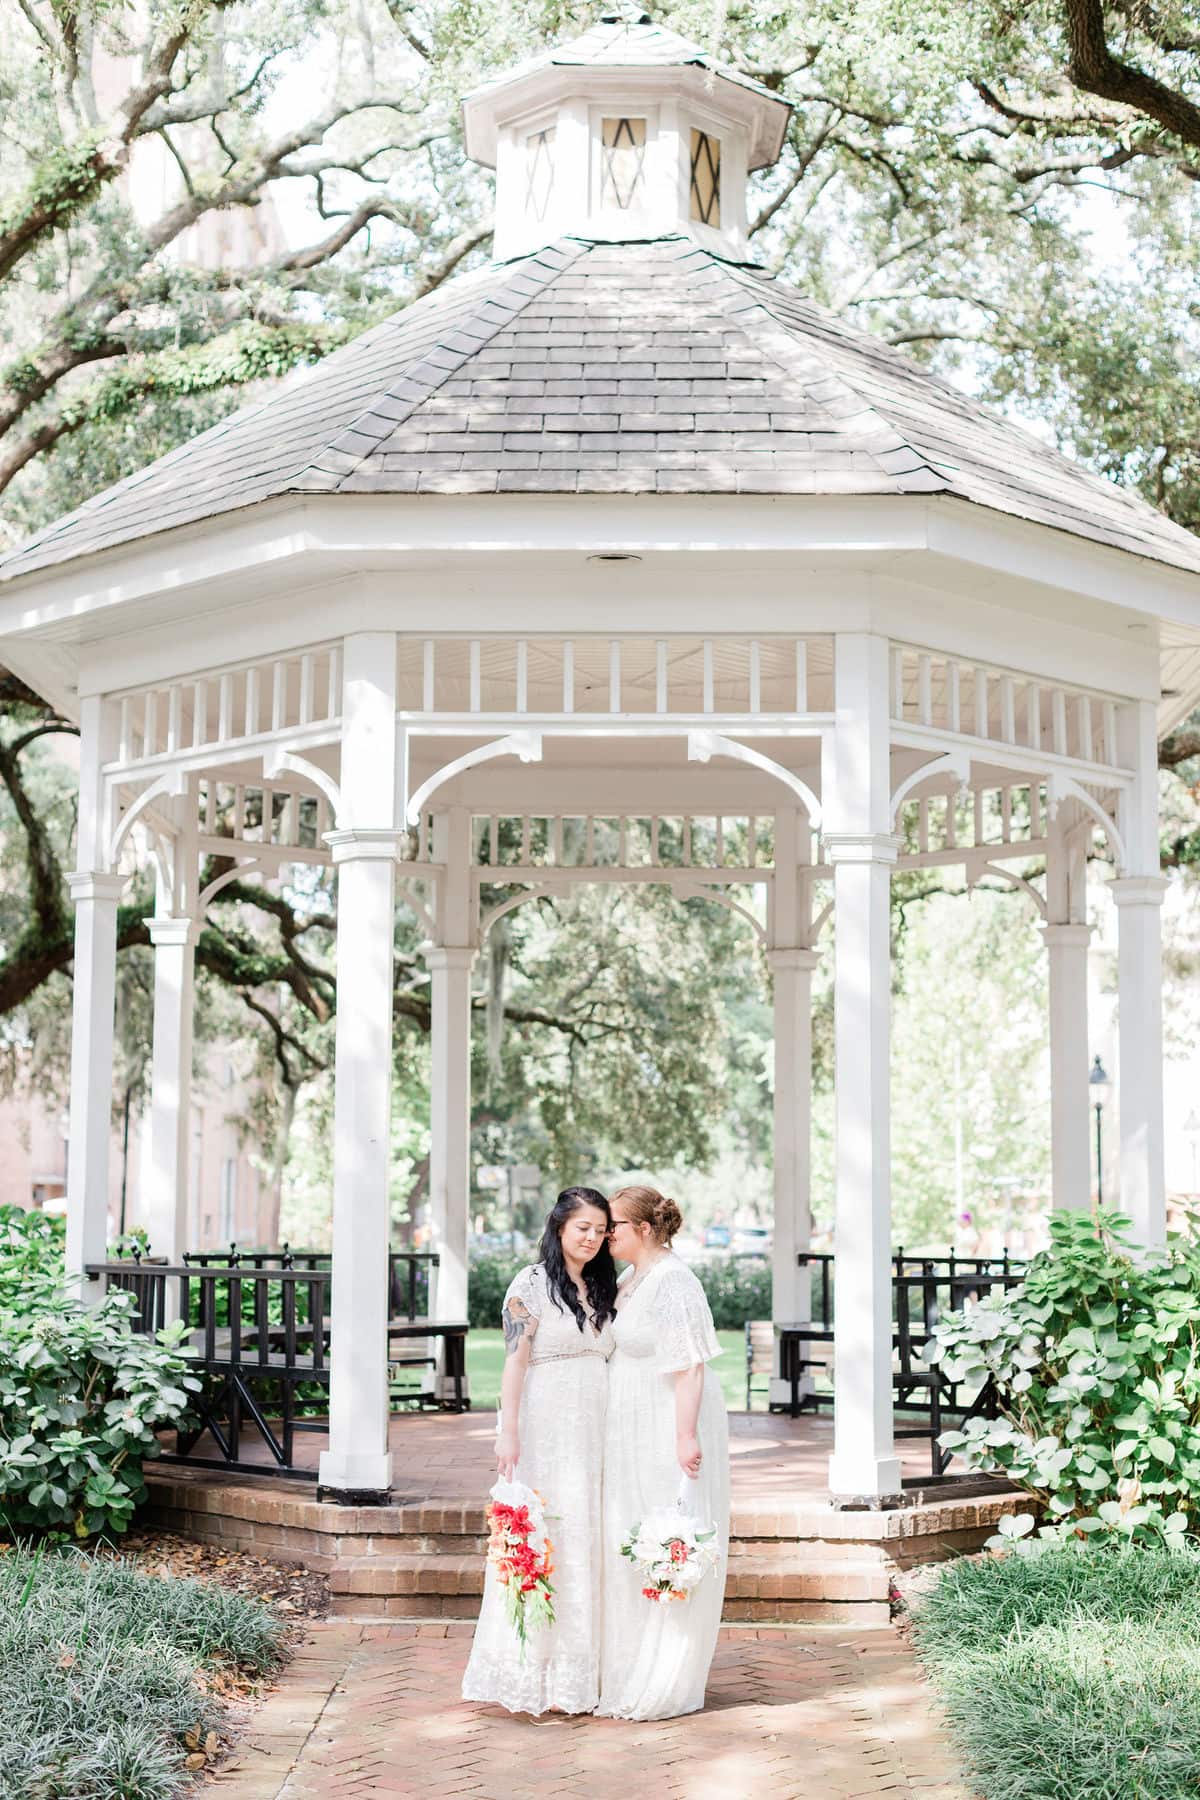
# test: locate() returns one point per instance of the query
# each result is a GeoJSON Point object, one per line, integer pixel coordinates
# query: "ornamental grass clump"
{"type": "Point", "coordinates": [109, 1676]}
{"type": "Point", "coordinates": [1096, 1367]}
{"type": "Point", "coordinates": [1071, 1672]}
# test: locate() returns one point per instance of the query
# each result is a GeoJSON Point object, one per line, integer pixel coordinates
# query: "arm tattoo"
{"type": "Point", "coordinates": [516, 1322]}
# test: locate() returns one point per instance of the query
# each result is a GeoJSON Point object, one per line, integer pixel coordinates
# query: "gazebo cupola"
{"type": "Point", "coordinates": [627, 132]}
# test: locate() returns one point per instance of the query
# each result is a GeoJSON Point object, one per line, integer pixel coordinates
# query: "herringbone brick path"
{"type": "Point", "coordinates": [819, 1714]}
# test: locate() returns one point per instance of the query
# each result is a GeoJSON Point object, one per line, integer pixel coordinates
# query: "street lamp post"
{"type": "Point", "coordinates": [1098, 1084]}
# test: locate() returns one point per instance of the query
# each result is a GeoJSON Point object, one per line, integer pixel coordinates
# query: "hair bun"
{"type": "Point", "coordinates": [667, 1219]}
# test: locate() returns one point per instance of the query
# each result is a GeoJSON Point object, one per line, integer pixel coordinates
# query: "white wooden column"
{"type": "Point", "coordinates": [450, 963]}
{"type": "Point", "coordinates": [95, 892]}
{"type": "Point", "coordinates": [791, 1286]}
{"type": "Point", "coordinates": [1066, 935]}
{"type": "Point", "coordinates": [165, 1181]}
{"type": "Point", "coordinates": [1139, 896]}
{"type": "Point", "coordinates": [357, 1465]}
{"type": "Point", "coordinates": [791, 962]}
{"type": "Point", "coordinates": [856, 784]}
{"type": "Point", "coordinates": [450, 1119]}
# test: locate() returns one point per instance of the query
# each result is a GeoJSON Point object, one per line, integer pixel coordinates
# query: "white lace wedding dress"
{"type": "Point", "coordinates": [656, 1657]}
{"type": "Point", "coordinates": [561, 1437]}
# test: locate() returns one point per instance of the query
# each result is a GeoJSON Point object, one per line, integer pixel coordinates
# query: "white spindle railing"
{"type": "Point", "coordinates": [262, 815]}
{"type": "Point", "coordinates": [625, 841]}
{"type": "Point", "coordinates": [616, 676]}
{"type": "Point", "coordinates": [997, 818]}
{"type": "Point", "coordinates": [949, 694]}
{"type": "Point", "coordinates": [299, 692]}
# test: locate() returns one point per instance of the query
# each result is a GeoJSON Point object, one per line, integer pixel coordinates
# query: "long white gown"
{"type": "Point", "coordinates": [656, 1657]}
{"type": "Point", "coordinates": [561, 1437]}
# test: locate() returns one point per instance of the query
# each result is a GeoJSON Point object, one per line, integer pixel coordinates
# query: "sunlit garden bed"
{"type": "Point", "coordinates": [114, 1683]}
{"type": "Point", "coordinates": [1071, 1674]}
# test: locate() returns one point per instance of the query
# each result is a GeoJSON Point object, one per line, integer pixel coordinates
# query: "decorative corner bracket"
{"type": "Point", "coordinates": [278, 762]}
{"type": "Point", "coordinates": [951, 762]}
{"type": "Point", "coordinates": [702, 746]}
{"type": "Point", "coordinates": [526, 745]}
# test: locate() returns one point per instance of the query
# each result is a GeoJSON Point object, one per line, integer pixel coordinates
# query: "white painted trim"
{"type": "Point", "coordinates": [952, 762]}
{"type": "Point", "coordinates": [1008, 756]}
{"type": "Point", "coordinates": [209, 894]}
{"type": "Point", "coordinates": [285, 762]}
{"type": "Point", "coordinates": [700, 890]}
{"type": "Point", "coordinates": [542, 891]}
{"type": "Point", "coordinates": [606, 725]}
{"type": "Point", "coordinates": [1060, 787]}
{"type": "Point", "coordinates": [204, 758]}
{"type": "Point", "coordinates": [234, 544]}
{"type": "Point", "coordinates": [526, 745]}
{"type": "Point", "coordinates": [703, 745]}
{"type": "Point", "coordinates": [1016, 882]}
{"type": "Point", "coordinates": [173, 783]}
{"type": "Point", "coordinates": [417, 907]}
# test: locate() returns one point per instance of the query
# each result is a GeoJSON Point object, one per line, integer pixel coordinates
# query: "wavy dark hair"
{"type": "Point", "coordinates": [599, 1275]}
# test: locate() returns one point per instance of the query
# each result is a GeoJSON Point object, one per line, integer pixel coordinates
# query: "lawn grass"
{"type": "Point", "coordinates": [102, 1675]}
{"type": "Point", "coordinates": [485, 1363]}
{"type": "Point", "coordinates": [1071, 1674]}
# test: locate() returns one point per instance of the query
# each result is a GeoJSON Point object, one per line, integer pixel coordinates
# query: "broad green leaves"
{"type": "Point", "coordinates": [1094, 1358]}
{"type": "Point", "coordinates": [81, 1396]}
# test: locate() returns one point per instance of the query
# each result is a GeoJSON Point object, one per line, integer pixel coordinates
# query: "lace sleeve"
{"type": "Point", "coordinates": [522, 1309]}
{"type": "Point", "coordinates": [683, 1324]}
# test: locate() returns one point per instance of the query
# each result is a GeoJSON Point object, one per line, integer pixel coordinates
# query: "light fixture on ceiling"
{"type": "Point", "coordinates": [613, 556]}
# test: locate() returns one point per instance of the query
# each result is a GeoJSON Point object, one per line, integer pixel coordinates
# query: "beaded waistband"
{"type": "Point", "coordinates": [565, 1355]}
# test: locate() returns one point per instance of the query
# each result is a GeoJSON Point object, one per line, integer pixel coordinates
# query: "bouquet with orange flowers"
{"type": "Point", "coordinates": [519, 1551]}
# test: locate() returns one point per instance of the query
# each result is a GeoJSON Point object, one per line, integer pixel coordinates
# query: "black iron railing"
{"type": "Point", "coordinates": [260, 1340]}
{"type": "Point", "coordinates": [924, 1290]}
{"type": "Point", "coordinates": [412, 1274]}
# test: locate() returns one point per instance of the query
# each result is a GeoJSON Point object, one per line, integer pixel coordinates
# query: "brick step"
{"type": "Point", "coordinates": [762, 1577]}
{"type": "Point", "coordinates": [864, 1614]}
{"type": "Point", "coordinates": [778, 1575]}
{"type": "Point", "coordinates": [365, 1608]}
{"type": "Point", "coordinates": [398, 1572]}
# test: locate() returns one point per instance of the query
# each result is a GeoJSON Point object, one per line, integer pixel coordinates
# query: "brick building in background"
{"type": "Point", "coordinates": [228, 1191]}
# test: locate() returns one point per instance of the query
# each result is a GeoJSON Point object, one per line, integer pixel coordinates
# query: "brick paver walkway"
{"type": "Point", "coordinates": [819, 1713]}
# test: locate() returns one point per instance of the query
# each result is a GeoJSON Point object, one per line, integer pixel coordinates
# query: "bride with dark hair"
{"type": "Point", "coordinates": [550, 1436]}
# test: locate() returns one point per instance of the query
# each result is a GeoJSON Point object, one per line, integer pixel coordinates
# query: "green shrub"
{"type": "Point", "coordinates": [1072, 1673]}
{"type": "Point", "coordinates": [1096, 1365]}
{"type": "Point", "coordinates": [31, 1257]}
{"type": "Point", "coordinates": [487, 1284]}
{"type": "Point", "coordinates": [81, 1396]}
{"type": "Point", "coordinates": [100, 1696]}
{"type": "Point", "coordinates": [738, 1288]}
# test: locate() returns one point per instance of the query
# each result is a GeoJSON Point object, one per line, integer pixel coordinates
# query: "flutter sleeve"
{"type": "Point", "coordinates": [523, 1306]}
{"type": "Point", "coordinates": [683, 1324]}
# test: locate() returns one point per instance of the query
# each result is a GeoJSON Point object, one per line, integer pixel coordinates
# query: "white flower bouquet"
{"type": "Point", "coordinates": [672, 1553]}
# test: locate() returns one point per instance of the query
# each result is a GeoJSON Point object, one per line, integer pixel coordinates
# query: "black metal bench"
{"type": "Point", "coordinates": [268, 1372]}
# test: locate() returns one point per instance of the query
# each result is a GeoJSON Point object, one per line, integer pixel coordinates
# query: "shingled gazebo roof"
{"type": "Point", "coordinates": [596, 367]}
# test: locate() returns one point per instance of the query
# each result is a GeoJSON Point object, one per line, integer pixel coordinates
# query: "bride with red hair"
{"type": "Point", "coordinates": [667, 1437]}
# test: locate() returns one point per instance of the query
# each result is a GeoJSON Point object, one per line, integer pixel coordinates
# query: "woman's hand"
{"type": "Point", "coordinates": [508, 1454]}
{"type": "Point", "coordinates": [687, 1452]}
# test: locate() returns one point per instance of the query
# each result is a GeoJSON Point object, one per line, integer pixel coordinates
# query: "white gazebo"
{"type": "Point", "coordinates": [615, 560]}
